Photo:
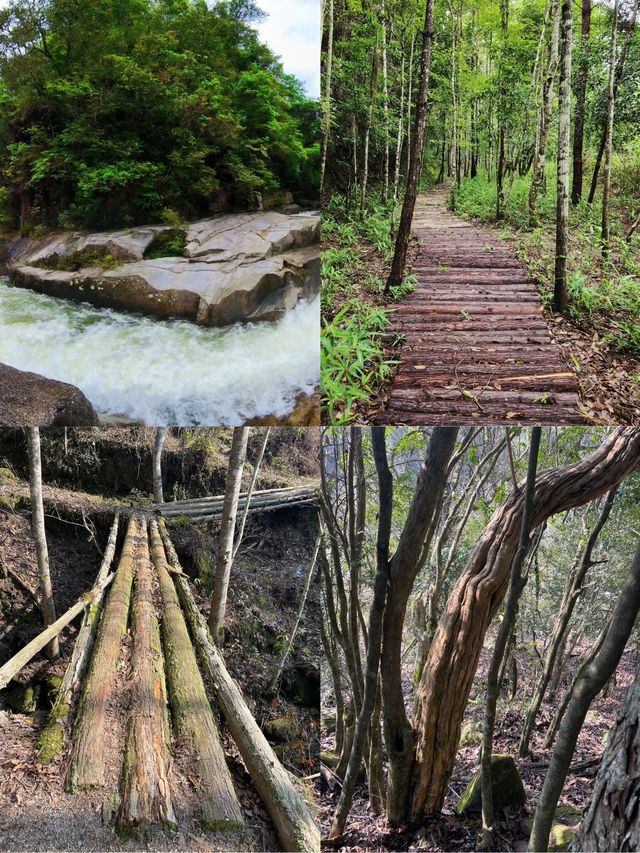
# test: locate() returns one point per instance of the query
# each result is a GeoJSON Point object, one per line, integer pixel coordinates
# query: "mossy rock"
{"type": "Point", "coordinates": [22, 698]}
{"type": "Point", "coordinates": [331, 759]}
{"type": "Point", "coordinates": [561, 837]}
{"type": "Point", "coordinates": [281, 729]}
{"type": "Point", "coordinates": [9, 503]}
{"type": "Point", "coordinates": [471, 734]}
{"type": "Point", "coordinates": [506, 783]}
{"type": "Point", "coordinates": [7, 476]}
{"type": "Point", "coordinates": [568, 814]}
{"type": "Point", "coordinates": [329, 722]}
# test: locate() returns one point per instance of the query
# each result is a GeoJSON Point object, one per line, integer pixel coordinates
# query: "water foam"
{"type": "Point", "coordinates": [163, 373]}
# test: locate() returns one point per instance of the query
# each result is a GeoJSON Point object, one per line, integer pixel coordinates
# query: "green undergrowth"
{"type": "Point", "coordinates": [356, 357]}
{"type": "Point", "coordinates": [604, 296]}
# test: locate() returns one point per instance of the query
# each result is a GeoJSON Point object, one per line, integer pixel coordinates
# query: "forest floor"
{"type": "Point", "coordinates": [450, 831]}
{"type": "Point", "coordinates": [35, 811]}
{"type": "Point", "coordinates": [476, 345]}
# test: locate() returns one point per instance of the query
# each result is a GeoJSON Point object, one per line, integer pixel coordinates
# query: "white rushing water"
{"type": "Point", "coordinates": [158, 372]}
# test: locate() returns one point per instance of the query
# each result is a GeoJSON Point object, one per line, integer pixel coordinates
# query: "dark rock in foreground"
{"type": "Point", "coordinates": [27, 399]}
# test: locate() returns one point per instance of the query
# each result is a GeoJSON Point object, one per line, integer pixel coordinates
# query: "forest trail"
{"type": "Point", "coordinates": [476, 344]}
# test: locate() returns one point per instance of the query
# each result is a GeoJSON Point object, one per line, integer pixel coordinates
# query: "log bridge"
{"type": "Point", "coordinates": [149, 592]}
{"type": "Point", "coordinates": [210, 508]}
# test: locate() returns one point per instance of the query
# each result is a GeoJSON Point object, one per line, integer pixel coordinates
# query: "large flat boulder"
{"type": "Point", "coordinates": [27, 399]}
{"type": "Point", "coordinates": [236, 268]}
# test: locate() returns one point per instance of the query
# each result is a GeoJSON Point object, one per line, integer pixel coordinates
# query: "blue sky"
{"type": "Point", "coordinates": [292, 31]}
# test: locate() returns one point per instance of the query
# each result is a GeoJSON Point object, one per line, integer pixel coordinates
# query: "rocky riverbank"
{"type": "Point", "coordinates": [233, 268]}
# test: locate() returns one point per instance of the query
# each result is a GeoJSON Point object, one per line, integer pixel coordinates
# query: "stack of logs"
{"type": "Point", "coordinates": [164, 671]}
{"type": "Point", "coordinates": [210, 508]}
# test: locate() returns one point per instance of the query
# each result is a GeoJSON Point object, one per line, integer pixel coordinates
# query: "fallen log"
{"type": "Point", "coordinates": [146, 799]}
{"type": "Point", "coordinates": [255, 501]}
{"type": "Point", "coordinates": [87, 768]}
{"type": "Point", "coordinates": [13, 666]}
{"type": "Point", "coordinates": [51, 738]}
{"type": "Point", "coordinates": [213, 499]}
{"type": "Point", "coordinates": [285, 803]}
{"type": "Point", "coordinates": [191, 712]}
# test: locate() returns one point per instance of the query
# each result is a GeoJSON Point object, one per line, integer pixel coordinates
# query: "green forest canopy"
{"type": "Point", "coordinates": [119, 112]}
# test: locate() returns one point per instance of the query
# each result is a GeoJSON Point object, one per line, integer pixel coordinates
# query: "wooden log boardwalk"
{"type": "Point", "coordinates": [477, 348]}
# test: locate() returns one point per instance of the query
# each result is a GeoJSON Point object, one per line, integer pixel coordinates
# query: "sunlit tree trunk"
{"type": "Point", "coordinates": [564, 142]}
{"type": "Point", "coordinates": [158, 495]}
{"type": "Point", "coordinates": [544, 119]}
{"type": "Point", "coordinates": [611, 104]}
{"type": "Point", "coordinates": [581, 92]}
{"type": "Point", "coordinates": [500, 170]}
{"type": "Point", "coordinates": [224, 554]}
{"type": "Point", "coordinates": [385, 96]}
{"type": "Point", "coordinates": [47, 604]}
{"type": "Point", "coordinates": [367, 134]}
{"type": "Point", "coordinates": [327, 93]}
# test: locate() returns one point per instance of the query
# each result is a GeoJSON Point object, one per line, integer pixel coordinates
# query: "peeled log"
{"type": "Point", "coordinates": [192, 715]}
{"type": "Point", "coordinates": [87, 768]}
{"type": "Point", "coordinates": [146, 798]}
{"type": "Point", "coordinates": [296, 828]}
{"type": "Point", "coordinates": [51, 738]}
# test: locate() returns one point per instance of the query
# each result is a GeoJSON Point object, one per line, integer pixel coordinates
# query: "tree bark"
{"type": "Point", "coordinates": [590, 683]}
{"type": "Point", "coordinates": [87, 768]}
{"type": "Point", "coordinates": [249, 495]}
{"type": "Point", "coordinates": [47, 606]}
{"type": "Point", "coordinates": [569, 601]}
{"type": "Point", "coordinates": [564, 142]}
{"type": "Point", "coordinates": [544, 119]}
{"type": "Point", "coordinates": [224, 554]}
{"type": "Point", "coordinates": [608, 147]}
{"type": "Point", "coordinates": [613, 819]}
{"type": "Point", "coordinates": [374, 644]}
{"type": "Point", "coordinates": [146, 798]}
{"type": "Point", "coordinates": [396, 275]}
{"type": "Point", "coordinates": [516, 586]}
{"type": "Point", "coordinates": [296, 828]}
{"type": "Point", "coordinates": [50, 741]}
{"type": "Point", "coordinates": [405, 565]}
{"type": "Point", "coordinates": [581, 93]}
{"type": "Point", "coordinates": [190, 709]}
{"type": "Point", "coordinates": [161, 434]}
{"type": "Point", "coordinates": [448, 673]}
{"type": "Point", "coordinates": [327, 99]}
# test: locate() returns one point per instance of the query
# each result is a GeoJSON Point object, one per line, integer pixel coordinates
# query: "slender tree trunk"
{"type": "Point", "coordinates": [409, 100]}
{"type": "Point", "coordinates": [544, 118]}
{"type": "Point", "coordinates": [158, 495]}
{"type": "Point", "coordinates": [591, 682]}
{"type": "Point", "coordinates": [500, 171]}
{"type": "Point", "coordinates": [618, 79]}
{"type": "Point", "coordinates": [374, 645]}
{"type": "Point", "coordinates": [613, 819]}
{"type": "Point", "coordinates": [569, 601]}
{"type": "Point", "coordinates": [413, 175]}
{"type": "Point", "coordinates": [367, 135]}
{"type": "Point", "coordinates": [608, 148]}
{"type": "Point", "coordinates": [516, 586]}
{"type": "Point", "coordinates": [224, 554]}
{"type": "Point", "coordinates": [396, 179]}
{"type": "Point", "coordinates": [252, 483]}
{"type": "Point", "coordinates": [327, 97]}
{"type": "Point", "coordinates": [564, 141]}
{"type": "Point", "coordinates": [385, 96]}
{"type": "Point", "coordinates": [562, 706]}
{"type": "Point", "coordinates": [581, 93]}
{"type": "Point", "coordinates": [448, 673]}
{"type": "Point", "coordinates": [47, 606]}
